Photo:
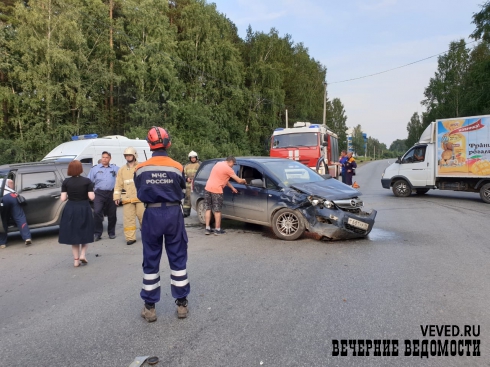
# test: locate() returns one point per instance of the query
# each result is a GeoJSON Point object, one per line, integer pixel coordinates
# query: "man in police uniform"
{"type": "Point", "coordinates": [103, 176]}
{"type": "Point", "coordinates": [160, 183]}
{"type": "Point", "coordinates": [190, 170]}
{"type": "Point", "coordinates": [125, 192]}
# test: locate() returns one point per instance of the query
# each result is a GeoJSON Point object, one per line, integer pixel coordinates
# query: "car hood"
{"type": "Point", "coordinates": [330, 189]}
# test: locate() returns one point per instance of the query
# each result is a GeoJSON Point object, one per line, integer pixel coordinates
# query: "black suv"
{"type": "Point", "coordinates": [40, 184]}
{"type": "Point", "coordinates": [289, 197]}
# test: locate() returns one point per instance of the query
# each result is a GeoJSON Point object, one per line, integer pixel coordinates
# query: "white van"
{"type": "Point", "coordinates": [451, 154]}
{"type": "Point", "coordinates": [88, 149]}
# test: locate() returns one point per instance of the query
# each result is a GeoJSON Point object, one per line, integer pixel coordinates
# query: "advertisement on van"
{"type": "Point", "coordinates": [463, 146]}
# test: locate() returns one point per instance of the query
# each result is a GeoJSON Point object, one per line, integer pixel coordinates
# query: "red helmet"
{"type": "Point", "coordinates": [158, 138]}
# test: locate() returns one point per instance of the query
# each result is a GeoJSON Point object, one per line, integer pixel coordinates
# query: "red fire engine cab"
{"type": "Point", "coordinates": [314, 145]}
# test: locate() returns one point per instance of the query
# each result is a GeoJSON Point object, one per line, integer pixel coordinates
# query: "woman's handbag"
{"type": "Point", "coordinates": [21, 200]}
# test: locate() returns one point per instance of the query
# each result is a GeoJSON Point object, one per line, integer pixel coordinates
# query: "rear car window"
{"type": "Point", "coordinates": [38, 180]}
{"type": "Point", "coordinates": [205, 170]}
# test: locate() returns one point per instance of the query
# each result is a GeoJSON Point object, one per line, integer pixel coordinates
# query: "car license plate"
{"type": "Point", "coordinates": [358, 223]}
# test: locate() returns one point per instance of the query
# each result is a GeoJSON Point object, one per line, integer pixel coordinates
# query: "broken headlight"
{"type": "Point", "coordinates": [316, 201]}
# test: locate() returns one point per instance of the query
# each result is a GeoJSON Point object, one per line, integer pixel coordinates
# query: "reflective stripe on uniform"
{"type": "Point", "coordinates": [151, 276]}
{"type": "Point", "coordinates": [117, 192]}
{"type": "Point", "coordinates": [133, 228]}
{"type": "Point", "coordinates": [179, 283]}
{"type": "Point", "coordinates": [150, 287]}
{"type": "Point", "coordinates": [178, 273]}
{"type": "Point", "coordinates": [128, 181]}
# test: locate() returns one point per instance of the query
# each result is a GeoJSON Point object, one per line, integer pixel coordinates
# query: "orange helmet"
{"type": "Point", "coordinates": [158, 138]}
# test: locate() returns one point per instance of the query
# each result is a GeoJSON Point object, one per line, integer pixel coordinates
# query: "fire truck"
{"type": "Point", "coordinates": [314, 145]}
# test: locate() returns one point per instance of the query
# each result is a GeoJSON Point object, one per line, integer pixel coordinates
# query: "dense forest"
{"type": "Point", "coordinates": [461, 84]}
{"type": "Point", "coordinates": [72, 67]}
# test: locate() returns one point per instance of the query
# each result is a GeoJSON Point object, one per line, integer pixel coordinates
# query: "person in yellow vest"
{"type": "Point", "coordinates": [190, 170]}
{"type": "Point", "coordinates": [125, 193]}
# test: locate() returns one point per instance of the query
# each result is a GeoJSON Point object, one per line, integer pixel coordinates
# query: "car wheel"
{"type": "Point", "coordinates": [401, 189]}
{"type": "Point", "coordinates": [421, 191]}
{"type": "Point", "coordinates": [485, 193]}
{"type": "Point", "coordinates": [201, 213]}
{"type": "Point", "coordinates": [288, 224]}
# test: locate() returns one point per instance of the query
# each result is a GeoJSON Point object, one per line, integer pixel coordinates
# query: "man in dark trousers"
{"type": "Point", "coordinates": [160, 184]}
{"type": "Point", "coordinates": [103, 175]}
{"type": "Point", "coordinates": [12, 208]}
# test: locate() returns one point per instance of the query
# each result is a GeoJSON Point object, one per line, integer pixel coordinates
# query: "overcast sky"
{"type": "Point", "coordinates": [353, 38]}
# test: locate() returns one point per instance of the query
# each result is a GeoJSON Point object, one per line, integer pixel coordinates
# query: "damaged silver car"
{"type": "Point", "coordinates": [289, 197]}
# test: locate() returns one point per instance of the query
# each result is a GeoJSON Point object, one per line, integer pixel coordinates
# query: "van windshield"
{"type": "Point", "coordinates": [295, 140]}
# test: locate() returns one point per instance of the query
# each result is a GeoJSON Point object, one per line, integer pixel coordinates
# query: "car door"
{"type": "Point", "coordinates": [4, 175]}
{"type": "Point", "coordinates": [250, 202]}
{"type": "Point", "coordinates": [274, 192]}
{"type": "Point", "coordinates": [229, 196]}
{"type": "Point", "coordinates": [42, 190]}
{"type": "Point", "coordinates": [415, 166]}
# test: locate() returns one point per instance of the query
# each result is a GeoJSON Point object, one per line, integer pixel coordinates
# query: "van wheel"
{"type": "Point", "coordinates": [401, 189]}
{"type": "Point", "coordinates": [421, 191]}
{"type": "Point", "coordinates": [485, 193]}
{"type": "Point", "coordinates": [288, 224]}
{"type": "Point", "coordinates": [201, 213]}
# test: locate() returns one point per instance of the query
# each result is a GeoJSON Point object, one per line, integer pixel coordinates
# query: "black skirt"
{"type": "Point", "coordinates": [77, 223]}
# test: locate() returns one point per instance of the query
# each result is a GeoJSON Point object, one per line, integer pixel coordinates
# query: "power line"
{"type": "Point", "coordinates": [398, 67]}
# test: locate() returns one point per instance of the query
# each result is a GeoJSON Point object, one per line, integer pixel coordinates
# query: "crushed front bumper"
{"type": "Point", "coordinates": [337, 224]}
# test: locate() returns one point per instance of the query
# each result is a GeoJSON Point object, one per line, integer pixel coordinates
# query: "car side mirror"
{"type": "Point", "coordinates": [399, 160]}
{"type": "Point", "coordinates": [325, 144]}
{"type": "Point", "coordinates": [257, 183]}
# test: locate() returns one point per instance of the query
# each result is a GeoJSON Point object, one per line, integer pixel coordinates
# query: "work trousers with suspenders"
{"type": "Point", "coordinates": [163, 225]}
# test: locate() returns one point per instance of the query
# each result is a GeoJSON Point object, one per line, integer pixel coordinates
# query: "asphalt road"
{"type": "Point", "coordinates": [256, 300]}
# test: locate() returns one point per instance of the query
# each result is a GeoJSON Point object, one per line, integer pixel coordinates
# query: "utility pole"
{"type": "Point", "coordinates": [111, 66]}
{"type": "Point", "coordinates": [325, 104]}
{"type": "Point", "coordinates": [286, 118]}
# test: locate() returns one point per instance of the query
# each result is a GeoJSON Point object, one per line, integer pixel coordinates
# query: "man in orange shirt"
{"type": "Point", "coordinates": [213, 192]}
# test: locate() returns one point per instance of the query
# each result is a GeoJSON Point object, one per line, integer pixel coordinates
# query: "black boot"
{"type": "Point", "coordinates": [187, 212]}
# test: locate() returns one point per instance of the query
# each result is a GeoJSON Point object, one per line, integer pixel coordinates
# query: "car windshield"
{"type": "Point", "coordinates": [295, 140]}
{"type": "Point", "coordinates": [291, 172]}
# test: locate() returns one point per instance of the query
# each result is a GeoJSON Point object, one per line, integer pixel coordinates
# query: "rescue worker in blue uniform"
{"type": "Point", "coordinates": [12, 208]}
{"type": "Point", "coordinates": [103, 176]}
{"type": "Point", "coordinates": [160, 184]}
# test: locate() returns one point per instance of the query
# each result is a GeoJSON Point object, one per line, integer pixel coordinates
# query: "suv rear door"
{"type": "Point", "coordinates": [42, 189]}
{"type": "Point", "coordinates": [3, 182]}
